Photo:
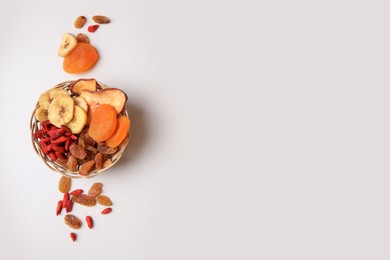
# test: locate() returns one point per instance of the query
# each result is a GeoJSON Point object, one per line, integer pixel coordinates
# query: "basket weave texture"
{"type": "Point", "coordinates": [62, 169]}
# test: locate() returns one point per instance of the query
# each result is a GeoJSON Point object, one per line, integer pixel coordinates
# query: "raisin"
{"type": "Point", "coordinates": [99, 161]}
{"type": "Point", "coordinates": [86, 167]}
{"type": "Point", "coordinates": [95, 189]}
{"type": "Point", "coordinates": [104, 200]}
{"type": "Point", "coordinates": [72, 221]}
{"type": "Point", "coordinates": [77, 151]}
{"type": "Point", "coordinates": [72, 163]}
{"type": "Point", "coordinates": [64, 184]}
{"type": "Point", "coordinates": [84, 199]}
{"type": "Point", "coordinates": [104, 149]}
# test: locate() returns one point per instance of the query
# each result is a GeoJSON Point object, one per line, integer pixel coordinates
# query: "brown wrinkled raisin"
{"type": "Point", "coordinates": [72, 163]}
{"type": "Point", "coordinates": [77, 151]}
{"type": "Point", "coordinates": [80, 21]}
{"type": "Point", "coordinates": [81, 143]}
{"type": "Point", "coordinates": [81, 37]}
{"type": "Point", "coordinates": [84, 199]}
{"type": "Point", "coordinates": [107, 163]}
{"type": "Point", "coordinates": [72, 221]}
{"type": "Point", "coordinates": [61, 161]}
{"type": "Point", "coordinates": [91, 149]}
{"type": "Point", "coordinates": [104, 200]}
{"type": "Point", "coordinates": [86, 138]}
{"type": "Point", "coordinates": [104, 149]}
{"type": "Point", "coordinates": [64, 184]}
{"type": "Point", "coordinates": [100, 19]}
{"type": "Point", "coordinates": [95, 189]}
{"type": "Point", "coordinates": [99, 161]}
{"type": "Point", "coordinates": [86, 168]}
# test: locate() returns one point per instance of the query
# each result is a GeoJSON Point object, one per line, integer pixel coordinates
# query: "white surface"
{"type": "Point", "coordinates": [261, 130]}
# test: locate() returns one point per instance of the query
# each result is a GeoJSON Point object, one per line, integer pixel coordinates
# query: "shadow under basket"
{"type": "Point", "coordinates": [35, 125]}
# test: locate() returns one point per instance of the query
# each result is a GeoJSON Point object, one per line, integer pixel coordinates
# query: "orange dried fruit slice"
{"type": "Point", "coordinates": [80, 59]}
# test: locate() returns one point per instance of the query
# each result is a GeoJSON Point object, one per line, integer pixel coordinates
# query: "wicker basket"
{"type": "Point", "coordinates": [36, 125]}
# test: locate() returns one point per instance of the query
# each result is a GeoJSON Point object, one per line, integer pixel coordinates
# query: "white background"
{"type": "Point", "coordinates": [260, 130]}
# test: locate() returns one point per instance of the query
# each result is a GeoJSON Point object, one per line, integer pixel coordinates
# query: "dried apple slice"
{"type": "Point", "coordinates": [83, 84]}
{"type": "Point", "coordinates": [110, 96]}
{"type": "Point", "coordinates": [79, 101]}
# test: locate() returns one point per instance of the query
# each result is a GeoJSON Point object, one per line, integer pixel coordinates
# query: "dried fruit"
{"type": "Point", "coordinates": [106, 210]}
{"type": "Point", "coordinates": [77, 192]}
{"type": "Point", "coordinates": [93, 28]}
{"type": "Point", "coordinates": [81, 37]}
{"type": "Point", "coordinates": [86, 168]}
{"type": "Point", "coordinates": [69, 206]}
{"type": "Point", "coordinates": [72, 221]}
{"type": "Point", "coordinates": [59, 207]}
{"type": "Point", "coordinates": [84, 199]}
{"type": "Point", "coordinates": [61, 110]}
{"type": "Point", "coordinates": [64, 184]}
{"type": "Point", "coordinates": [104, 200]}
{"type": "Point", "coordinates": [104, 149]}
{"type": "Point", "coordinates": [120, 133]}
{"type": "Point", "coordinates": [103, 123]}
{"type": "Point", "coordinates": [89, 221]}
{"type": "Point", "coordinates": [73, 236]}
{"type": "Point", "coordinates": [100, 19]}
{"type": "Point", "coordinates": [99, 161]}
{"type": "Point", "coordinates": [80, 21]}
{"type": "Point", "coordinates": [68, 43]}
{"type": "Point", "coordinates": [72, 163]}
{"type": "Point", "coordinates": [77, 151]}
{"type": "Point", "coordinates": [65, 199]}
{"type": "Point", "coordinates": [95, 189]}
{"type": "Point", "coordinates": [78, 121]}
{"type": "Point", "coordinates": [41, 114]}
{"type": "Point", "coordinates": [107, 163]}
{"type": "Point", "coordinates": [91, 149]}
{"type": "Point", "coordinates": [81, 59]}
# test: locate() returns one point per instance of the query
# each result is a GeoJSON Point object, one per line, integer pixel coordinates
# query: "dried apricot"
{"type": "Point", "coordinates": [103, 123]}
{"type": "Point", "coordinates": [80, 59]}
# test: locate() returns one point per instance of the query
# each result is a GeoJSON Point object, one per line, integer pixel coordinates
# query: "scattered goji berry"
{"type": "Point", "coordinates": [93, 28]}
{"type": "Point", "coordinates": [59, 207]}
{"type": "Point", "coordinates": [89, 221]}
{"type": "Point", "coordinates": [77, 192]}
{"type": "Point", "coordinates": [106, 210]}
{"type": "Point", "coordinates": [73, 236]}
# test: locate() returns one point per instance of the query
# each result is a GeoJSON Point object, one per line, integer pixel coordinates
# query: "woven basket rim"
{"type": "Point", "coordinates": [55, 166]}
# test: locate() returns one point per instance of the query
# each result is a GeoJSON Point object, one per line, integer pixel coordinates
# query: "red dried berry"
{"type": "Point", "coordinates": [106, 210]}
{"type": "Point", "coordinates": [65, 200]}
{"type": "Point", "coordinates": [73, 236]}
{"type": "Point", "coordinates": [93, 28]}
{"type": "Point", "coordinates": [89, 221]}
{"type": "Point", "coordinates": [59, 207]}
{"type": "Point", "coordinates": [77, 192]}
{"type": "Point", "coordinates": [69, 206]}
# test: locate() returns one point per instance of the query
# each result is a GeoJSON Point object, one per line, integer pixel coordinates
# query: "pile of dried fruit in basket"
{"type": "Point", "coordinates": [77, 196]}
{"type": "Point", "coordinates": [83, 128]}
{"type": "Point", "coordinates": [79, 54]}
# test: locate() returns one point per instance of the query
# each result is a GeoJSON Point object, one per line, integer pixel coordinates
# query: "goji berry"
{"type": "Point", "coordinates": [93, 28]}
